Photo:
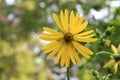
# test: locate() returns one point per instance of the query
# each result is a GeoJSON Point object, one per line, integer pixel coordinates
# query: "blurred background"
{"type": "Point", "coordinates": [21, 23]}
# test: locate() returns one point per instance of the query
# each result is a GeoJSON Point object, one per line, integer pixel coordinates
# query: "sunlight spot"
{"type": "Point", "coordinates": [115, 3]}
{"type": "Point", "coordinates": [11, 16]}
{"type": "Point", "coordinates": [42, 4]}
{"type": "Point", "coordinates": [37, 49]}
{"type": "Point", "coordinates": [38, 60]}
{"type": "Point", "coordinates": [99, 14]}
{"type": "Point", "coordinates": [55, 7]}
{"type": "Point", "coordinates": [79, 9]}
{"type": "Point", "coordinates": [49, 18]}
{"type": "Point", "coordinates": [10, 2]}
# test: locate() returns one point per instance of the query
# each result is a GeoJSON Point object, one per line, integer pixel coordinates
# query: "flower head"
{"type": "Point", "coordinates": [107, 43]}
{"type": "Point", "coordinates": [115, 58]}
{"type": "Point", "coordinates": [65, 45]}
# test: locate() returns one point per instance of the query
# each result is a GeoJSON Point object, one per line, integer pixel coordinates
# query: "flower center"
{"type": "Point", "coordinates": [68, 37]}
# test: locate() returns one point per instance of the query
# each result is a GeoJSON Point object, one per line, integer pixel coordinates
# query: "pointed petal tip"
{"type": "Point", "coordinates": [96, 39]}
{"type": "Point", "coordinates": [114, 49]}
{"type": "Point", "coordinates": [91, 53]}
{"type": "Point", "coordinates": [79, 62]}
{"type": "Point", "coordinates": [72, 11]}
{"type": "Point", "coordinates": [61, 65]}
{"type": "Point", "coordinates": [54, 15]}
{"type": "Point", "coordinates": [61, 11]}
{"type": "Point", "coordinates": [55, 62]}
{"type": "Point", "coordinates": [48, 57]}
{"type": "Point", "coordinates": [66, 9]}
{"type": "Point", "coordinates": [67, 66]}
{"type": "Point", "coordinates": [44, 28]}
{"type": "Point", "coordinates": [74, 64]}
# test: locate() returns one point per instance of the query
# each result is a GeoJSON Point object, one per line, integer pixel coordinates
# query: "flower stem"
{"type": "Point", "coordinates": [68, 73]}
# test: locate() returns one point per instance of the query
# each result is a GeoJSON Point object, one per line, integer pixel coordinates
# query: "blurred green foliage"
{"type": "Point", "coordinates": [21, 23]}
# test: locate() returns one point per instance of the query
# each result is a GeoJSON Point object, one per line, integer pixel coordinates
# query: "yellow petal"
{"type": "Point", "coordinates": [80, 21]}
{"type": "Point", "coordinates": [76, 56]}
{"type": "Point", "coordinates": [51, 31]}
{"type": "Point", "coordinates": [83, 50]}
{"type": "Point", "coordinates": [49, 37]}
{"type": "Point", "coordinates": [78, 25]}
{"type": "Point", "coordinates": [77, 17]}
{"type": "Point", "coordinates": [86, 33]}
{"type": "Point", "coordinates": [67, 63]}
{"type": "Point", "coordinates": [119, 48]}
{"type": "Point", "coordinates": [76, 20]}
{"type": "Point", "coordinates": [63, 59]}
{"type": "Point", "coordinates": [112, 61]}
{"type": "Point", "coordinates": [56, 49]}
{"type": "Point", "coordinates": [114, 49]}
{"type": "Point", "coordinates": [62, 18]}
{"type": "Point", "coordinates": [58, 22]}
{"type": "Point", "coordinates": [64, 56]}
{"type": "Point", "coordinates": [60, 53]}
{"type": "Point", "coordinates": [49, 47]}
{"type": "Point", "coordinates": [86, 36]}
{"type": "Point", "coordinates": [72, 21]}
{"type": "Point", "coordinates": [82, 27]}
{"type": "Point", "coordinates": [72, 54]}
{"type": "Point", "coordinates": [83, 39]}
{"type": "Point", "coordinates": [66, 20]}
{"type": "Point", "coordinates": [116, 68]}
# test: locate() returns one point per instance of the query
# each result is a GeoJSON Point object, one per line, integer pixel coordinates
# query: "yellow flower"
{"type": "Point", "coordinates": [115, 58]}
{"type": "Point", "coordinates": [107, 43]}
{"type": "Point", "coordinates": [66, 44]}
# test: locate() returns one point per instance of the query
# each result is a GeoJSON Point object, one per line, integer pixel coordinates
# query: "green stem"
{"type": "Point", "coordinates": [104, 52]}
{"type": "Point", "coordinates": [68, 73]}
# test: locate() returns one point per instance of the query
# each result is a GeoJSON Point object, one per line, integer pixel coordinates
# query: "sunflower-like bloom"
{"type": "Point", "coordinates": [115, 58]}
{"type": "Point", "coordinates": [65, 45]}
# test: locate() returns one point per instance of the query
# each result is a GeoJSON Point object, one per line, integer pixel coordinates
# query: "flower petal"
{"type": "Point", "coordinates": [76, 56]}
{"type": "Point", "coordinates": [56, 49]}
{"type": "Point", "coordinates": [86, 33]}
{"type": "Point", "coordinates": [86, 36]}
{"type": "Point", "coordinates": [66, 20]}
{"type": "Point", "coordinates": [51, 31]}
{"type": "Point", "coordinates": [119, 48]}
{"type": "Point", "coordinates": [82, 26]}
{"type": "Point", "coordinates": [72, 19]}
{"type": "Point", "coordinates": [84, 39]}
{"type": "Point", "coordinates": [49, 47]}
{"type": "Point", "coordinates": [63, 18]}
{"type": "Point", "coordinates": [60, 53]}
{"type": "Point", "coordinates": [67, 62]}
{"type": "Point", "coordinates": [77, 17]}
{"type": "Point", "coordinates": [83, 50]}
{"type": "Point", "coordinates": [114, 49]}
{"type": "Point", "coordinates": [58, 22]}
{"type": "Point", "coordinates": [116, 68]}
{"type": "Point", "coordinates": [50, 37]}
{"type": "Point", "coordinates": [72, 54]}
{"type": "Point", "coordinates": [75, 31]}
{"type": "Point", "coordinates": [74, 24]}
{"type": "Point", "coordinates": [65, 57]}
